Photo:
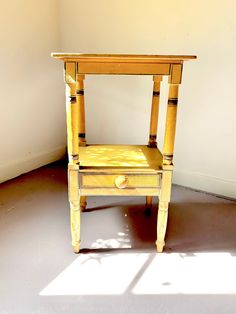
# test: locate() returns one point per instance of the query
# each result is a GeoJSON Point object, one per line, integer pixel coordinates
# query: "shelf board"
{"type": "Point", "coordinates": [129, 157]}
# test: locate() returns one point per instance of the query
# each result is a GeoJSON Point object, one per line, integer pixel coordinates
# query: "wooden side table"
{"type": "Point", "coordinates": [120, 169]}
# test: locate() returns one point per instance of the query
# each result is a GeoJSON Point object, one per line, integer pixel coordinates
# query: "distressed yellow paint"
{"type": "Point", "coordinates": [120, 180]}
{"type": "Point", "coordinates": [131, 156]}
{"type": "Point", "coordinates": [125, 170]}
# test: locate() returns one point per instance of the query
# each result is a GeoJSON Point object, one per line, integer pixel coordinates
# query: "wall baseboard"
{"type": "Point", "coordinates": [15, 168]}
{"type": "Point", "coordinates": [202, 182]}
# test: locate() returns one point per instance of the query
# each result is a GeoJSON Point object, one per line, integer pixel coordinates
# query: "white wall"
{"type": "Point", "coordinates": [32, 125]}
{"type": "Point", "coordinates": [118, 109]}
{"type": "Point", "coordinates": [32, 128]}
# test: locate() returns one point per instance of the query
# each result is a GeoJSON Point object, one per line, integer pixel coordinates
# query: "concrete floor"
{"type": "Point", "coordinates": [118, 270]}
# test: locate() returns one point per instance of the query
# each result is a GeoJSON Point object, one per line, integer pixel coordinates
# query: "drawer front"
{"type": "Point", "coordinates": [120, 181]}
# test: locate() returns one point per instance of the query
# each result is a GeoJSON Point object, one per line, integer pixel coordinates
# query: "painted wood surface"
{"type": "Point", "coordinates": [120, 57]}
{"type": "Point", "coordinates": [128, 170]}
{"type": "Point", "coordinates": [130, 156]}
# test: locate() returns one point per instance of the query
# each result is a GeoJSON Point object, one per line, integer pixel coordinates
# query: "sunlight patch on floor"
{"type": "Point", "coordinates": [193, 273]}
{"type": "Point", "coordinates": [97, 274]}
{"type": "Point", "coordinates": [146, 274]}
{"type": "Point", "coordinates": [122, 242]}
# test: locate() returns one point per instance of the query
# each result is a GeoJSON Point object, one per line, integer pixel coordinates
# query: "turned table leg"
{"type": "Point", "coordinates": [164, 200]}
{"type": "Point", "coordinates": [73, 115]}
{"type": "Point", "coordinates": [154, 111]}
{"type": "Point", "coordinates": [154, 125]}
{"type": "Point", "coordinates": [161, 225]}
{"type": "Point", "coordinates": [83, 203]}
{"type": "Point", "coordinates": [148, 204]}
{"type": "Point", "coordinates": [75, 225]}
{"type": "Point", "coordinates": [167, 165]}
{"type": "Point", "coordinates": [171, 114]}
{"type": "Point", "coordinates": [74, 199]}
{"type": "Point", "coordinates": [81, 122]}
{"type": "Point", "coordinates": [81, 109]}
{"type": "Point", "coordinates": [170, 124]}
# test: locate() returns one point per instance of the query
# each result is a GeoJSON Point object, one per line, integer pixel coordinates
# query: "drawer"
{"type": "Point", "coordinates": [119, 181]}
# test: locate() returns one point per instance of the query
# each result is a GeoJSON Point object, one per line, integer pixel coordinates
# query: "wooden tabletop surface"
{"type": "Point", "coordinates": [120, 57]}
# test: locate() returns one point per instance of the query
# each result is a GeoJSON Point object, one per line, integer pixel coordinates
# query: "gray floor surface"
{"type": "Point", "coordinates": [118, 269]}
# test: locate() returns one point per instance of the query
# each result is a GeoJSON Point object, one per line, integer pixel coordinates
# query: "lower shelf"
{"type": "Point", "coordinates": [136, 157]}
{"type": "Point", "coordinates": [119, 170]}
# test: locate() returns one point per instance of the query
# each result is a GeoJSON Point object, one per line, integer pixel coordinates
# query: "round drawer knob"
{"type": "Point", "coordinates": [121, 182]}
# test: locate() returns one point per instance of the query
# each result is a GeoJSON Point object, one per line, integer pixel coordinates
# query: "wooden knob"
{"type": "Point", "coordinates": [121, 182]}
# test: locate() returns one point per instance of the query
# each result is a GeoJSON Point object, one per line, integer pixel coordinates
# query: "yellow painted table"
{"type": "Point", "coordinates": [120, 169]}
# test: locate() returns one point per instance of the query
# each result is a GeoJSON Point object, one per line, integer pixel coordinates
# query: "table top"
{"type": "Point", "coordinates": [137, 58]}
